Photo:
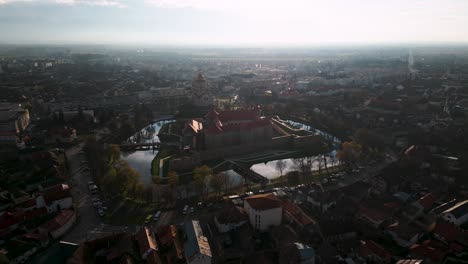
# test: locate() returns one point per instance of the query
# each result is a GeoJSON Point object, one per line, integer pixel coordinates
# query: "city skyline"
{"type": "Point", "coordinates": [232, 23]}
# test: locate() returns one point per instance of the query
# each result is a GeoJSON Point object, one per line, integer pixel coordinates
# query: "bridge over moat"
{"type": "Point", "coordinates": [140, 146]}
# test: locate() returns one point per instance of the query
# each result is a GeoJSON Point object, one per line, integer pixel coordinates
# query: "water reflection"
{"type": "Point", "coordinates": [141, 160]}
{"type": "Point", "coordinates": [269, 170]}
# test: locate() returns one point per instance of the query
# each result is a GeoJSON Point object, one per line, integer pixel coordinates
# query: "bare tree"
{"type": "Point", "coordinates": [280, 166]}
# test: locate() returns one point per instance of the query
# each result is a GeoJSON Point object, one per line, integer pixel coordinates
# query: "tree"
{"type": "Point", "coordinates": [280, 166]}
{"type": "Point", "coordinates": [114, 154]}
{"type": "Point", "coordinates": [226, 181]}
{"type": "Point", "coordinates": [349, 153]}
{"type": "Point", "coordinates": [368, 140]}
{"type": "Point", "coordinates": [199, 175]}
{"type": "Point", "coordinates": [61, 117]}
{"type": "Point", "coordinates": [216, 183]}
{"type": "Point", "coordinates": [80, 113]}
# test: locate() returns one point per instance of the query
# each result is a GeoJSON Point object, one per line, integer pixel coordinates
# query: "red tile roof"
{"type": "Point", "coordinates": [232, 214]}
{"type": "Point", "coordinates": [58, 221]}
{"type": "Point", "coordinates": [234, 115]}
{"type": "Point", "coordinates": [146, 240]}
{"type": "Point", "coordinates": [446, 230]}
{"type": "Point", "coordinates": [57, 192]}
{"type": "Point", "coordinates": [429, 249]}
{"type": "Point", "coordinates": [427, 201]}
{"type": "Point", "coordinates": [296, 212]}
{"type": "Point", "coordinates": [263, 201]}
{"type": "Point", "coordinates": [167, 234]}
{"type": "Point", "coordinates": [373, 214]}
{"type": "Point", "coordinates": [369, 248]}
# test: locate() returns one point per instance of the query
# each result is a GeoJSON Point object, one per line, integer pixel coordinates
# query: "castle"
{"type": "Point", "coordinates": [227, 128]}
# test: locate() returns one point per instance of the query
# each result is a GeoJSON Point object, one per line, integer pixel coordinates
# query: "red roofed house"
{"type": "Point", "coordinates": [230, 218]}
{"type": "Point", "coordinates": [147, 245]}
{"type": "Point", "coordinates": [60, 224]}
{"type": "Point", "coordinates": [65, 135]}
{"type": "Point", "coordinates": [404, 234]}
{"type": "Point", "coordinates": [430, 251]}
{"type": "Point", "coordinates": [445, 231]}
{"type": "Point", "coordinates": [426, 202]}
{"type": "Point", "coordinates": [264, 211]}
{"type": "Point", "coordinates": [372, 251]}
{"type": "Point", "coordinates": [372, 215]}
{"type": "Point", "coordinates": [294, 215]}
{"type": "Point", "coordinates": [55, 198]}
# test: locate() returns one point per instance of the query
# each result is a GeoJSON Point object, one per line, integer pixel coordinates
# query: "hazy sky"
{"type": "Point", "coordinates": [233, 22]}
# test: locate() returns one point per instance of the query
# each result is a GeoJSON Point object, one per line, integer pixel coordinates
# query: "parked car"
{"type": "Point", "coordinates": [157, 215]}
{"type": "Point", "coordinates": [148, 219]}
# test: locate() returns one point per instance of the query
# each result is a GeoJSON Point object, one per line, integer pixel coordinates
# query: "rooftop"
{"type": "Point", "coordinates": [263, 201]}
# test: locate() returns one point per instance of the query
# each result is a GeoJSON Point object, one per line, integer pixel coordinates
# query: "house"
{"type": "Point", "coordinates": [373, 215]}
{"type": "Point", "coordinates": [147, 245]}
{"type": "Point", "coordinates": [169, 243]}
{"type": "Point", "coordinates": [59, 225]}
{"type": "Point", "coordinates": [283, 235]}
{"type": "Point", "coordinates": [371, 251]}
{"type": "Point", "coordinates": [296, 253]}
{"type": "Point", "coordinates": [10, 221]}
{"type": "Point", "coordinates": [113, 248]}
{"type": "Point", "coordinates": [429, 251]}
{"type": "Point", "coordinates": [426, 202]}
{"type": "Point", "coordinates": [55, 198]}
{"type": "Point", "coordinates": [457, 214]}
{"type": "Point", "coordinates": [336, 230]}
{"type": "Point", "coordinates": [196, 248]}
{"type": "Point", "coordinates": [446, 231]}
{"type": "Point", "coordinates": [264, 211]}
{"type": "Point", "coordinates": [296, 217]}
{"type": "Point", "coordinates": [321, 199]}
{"type": "Point", "coordinates": [230, 218]}
{"type": "Point", "coordinates": [63, 135]}
{"type": "Point", "coordinates": [404, 234]}
{"type": "Point", "coordinates": [16, 251]}
{"type": "Point", "coordinates": [357, 191]}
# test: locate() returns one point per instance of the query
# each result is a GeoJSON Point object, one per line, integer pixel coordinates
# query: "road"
{"type": "Point", "coordinates": [87, 217]}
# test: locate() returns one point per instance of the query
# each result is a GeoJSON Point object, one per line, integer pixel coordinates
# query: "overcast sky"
{"type": "Point", "coordinates": [233, 22]}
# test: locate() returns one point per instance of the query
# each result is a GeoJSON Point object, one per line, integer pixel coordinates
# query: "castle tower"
{"type": "Point", "coordinates": [201, 94]}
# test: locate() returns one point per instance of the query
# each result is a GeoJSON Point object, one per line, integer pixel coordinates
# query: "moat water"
{"type": "Point", "coordinates": [141, 160]}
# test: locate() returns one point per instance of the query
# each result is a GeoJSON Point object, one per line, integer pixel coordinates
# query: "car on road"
{"type": "Point", "coordinates": [157, 215]}
{"type": "Point", "coordinates": [101, 213]}
{"type": "Point", "coordinates": [148, 219]}
{"type": "Point", "coordinates": [95, 199]}
{"type": "Point", "coordinates": [192, 210]}
{"type": "Point", "coordinates": [185, 210]}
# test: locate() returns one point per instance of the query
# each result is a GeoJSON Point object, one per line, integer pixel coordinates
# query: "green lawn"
{"type": "Point", "coordinates": [130, 212]}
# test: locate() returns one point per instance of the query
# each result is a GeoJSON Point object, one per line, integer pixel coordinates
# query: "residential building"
{"type": "Point", "coordinates": [147, 244]}
{"type": "Point", "coordinates": [55, 198]}
{"type": "Point", "coordinates": [230, 218]}
{"type": "Point", "coordinates": [57, 226]}
{"type": "Point", "coordinates": [457, 214]}
{"type": "Point", "coordinates": [264, 211]}
{"type": "Point", "coordinates": [196, 248]}
{"type": "Point", "coordinates": [370, 250]}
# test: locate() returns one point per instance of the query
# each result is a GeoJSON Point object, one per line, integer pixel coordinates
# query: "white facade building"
{"type": "Point", "coordinates": [264, 211]}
